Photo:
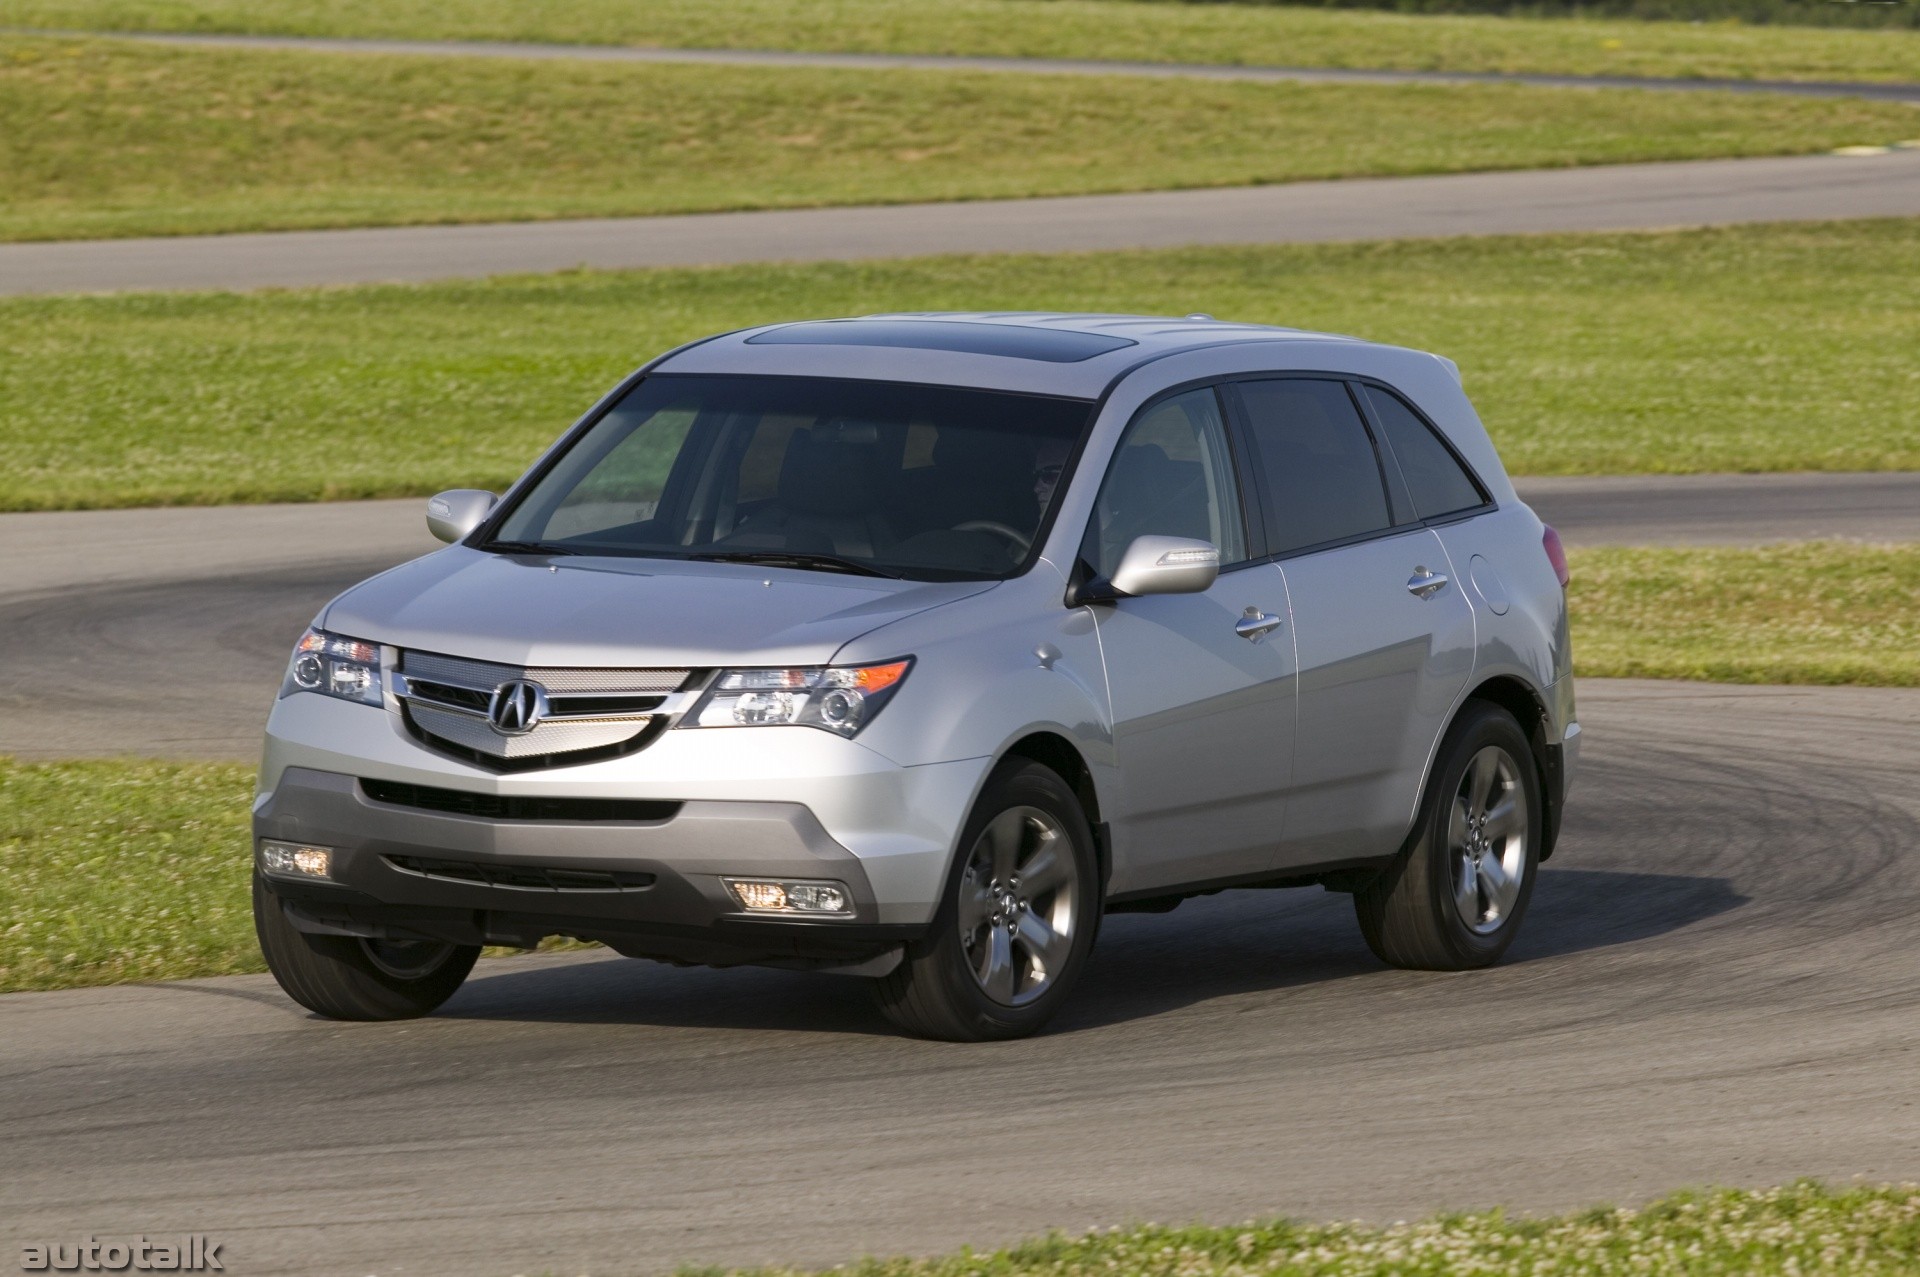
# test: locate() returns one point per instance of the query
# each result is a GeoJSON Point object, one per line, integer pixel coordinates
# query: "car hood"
{"type": "Point", "coordinates": [536, 610]}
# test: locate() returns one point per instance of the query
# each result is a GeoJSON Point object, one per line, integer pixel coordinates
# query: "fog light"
{"type": "Point", "coordinates": [758, 895]}
{"type": "Point", "coordinates": [295, 860]}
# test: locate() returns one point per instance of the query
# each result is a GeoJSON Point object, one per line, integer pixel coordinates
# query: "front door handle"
{"type": "Point", "coordinates": [1425, 584]}
{"type": "Point", "coordinates": [1256, 625]}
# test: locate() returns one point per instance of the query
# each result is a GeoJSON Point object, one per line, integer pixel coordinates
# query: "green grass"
{"type": "Point", "coordinates": [105, 138]}
{"type": "Point", "coordinates": [1248, 34]}
{"type": "Point", "coordinates": [1797, 1231]}
{"type": "Point", "coordinates": [116, 871]}
{"type": "Point", "coordinates": [1738, 349]}
{"type": "Point", "coordinates": [1816, 612]}
{"type": "Point", "coordinates": [121, 870]}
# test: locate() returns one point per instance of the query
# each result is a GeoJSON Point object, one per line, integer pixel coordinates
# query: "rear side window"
{"type": "Point", "coordinates": [1319, 476]}
{"type": "Point", "coordinates": [1437, 482]}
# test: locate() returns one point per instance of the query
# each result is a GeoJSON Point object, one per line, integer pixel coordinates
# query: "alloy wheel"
{"type": "Point", "coordinates": [1019, 905]}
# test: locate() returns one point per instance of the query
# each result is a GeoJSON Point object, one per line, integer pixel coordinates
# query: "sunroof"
{"type": "Point", "coordinates": [1012, 341]}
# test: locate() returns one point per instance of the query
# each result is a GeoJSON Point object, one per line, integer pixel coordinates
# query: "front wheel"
{"type": "Point", "coordinates": [1453, 898]}
{"type": "Point", "coordinates": [1017, 922]}
{"type": "Point", "coordinates": [347, 978]}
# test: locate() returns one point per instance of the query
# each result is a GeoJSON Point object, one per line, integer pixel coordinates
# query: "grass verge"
{"type": "Point", "coordinates": [1114, 29]}
{"type": "Point", "coordinates": [1814, 612]}
{"type": "Point", "coordinates": [119, 870]}
{"type": "Point", "coordinates": [1737, 349]}
{"type": "Point", "coordinates": [1804, 1228]}
{"type": "Point", "coordinates": [100, 139]}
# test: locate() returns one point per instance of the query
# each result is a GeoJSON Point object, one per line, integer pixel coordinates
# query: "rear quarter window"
{"type": "Point", "coordinates": [1437, 482]}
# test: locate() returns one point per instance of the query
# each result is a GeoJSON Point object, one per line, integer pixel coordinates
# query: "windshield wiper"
{"type": "Point", "coordinates": [794, 559]}
{"type": "Point", "coordinates": [526, 547]}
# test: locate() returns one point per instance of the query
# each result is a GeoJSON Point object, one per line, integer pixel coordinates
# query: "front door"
{"type": "Point", "coordinates": [1202, 709]}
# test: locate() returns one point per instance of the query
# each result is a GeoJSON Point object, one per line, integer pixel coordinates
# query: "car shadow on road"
{"type": "Point", "coordinates": [1233, 944]}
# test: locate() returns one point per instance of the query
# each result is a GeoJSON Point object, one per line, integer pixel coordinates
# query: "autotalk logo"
{"type": "Point", "coordinates": [189, 1254]}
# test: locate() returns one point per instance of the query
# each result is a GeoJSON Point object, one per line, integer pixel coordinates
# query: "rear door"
{"type": "Point", "coordinates": [1202, 706]}
{"type": "Point", "coordinates": [1382, 632]}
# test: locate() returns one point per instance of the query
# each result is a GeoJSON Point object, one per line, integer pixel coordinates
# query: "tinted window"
{"type": "Point", "coordinates": [1171, 476]}
{"type": "Point", "coordinates": [1319, 475]}
{"type": "Point", "coordinates": [919, 481]}
{"type": "Point", "coordinates": [1437, 482]}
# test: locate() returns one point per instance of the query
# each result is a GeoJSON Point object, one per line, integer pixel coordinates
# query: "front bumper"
{"type": "Point", "coordinates": [783, 802]}
{"type": "Point", "coordinates": [651, 888]}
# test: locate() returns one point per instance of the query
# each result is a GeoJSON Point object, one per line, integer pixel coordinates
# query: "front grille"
{"type": "Point", "coordinates": [458, 671]}
{"type": "Point", "coordinates": [540, 807]}
{"type": "Point", "coordinates": [593, 713]}
{"type": "Point", "coordinates": [520, 877]}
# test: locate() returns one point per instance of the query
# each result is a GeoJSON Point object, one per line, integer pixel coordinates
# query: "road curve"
{"type": "Point", "coordinates": [1717, 984]}
{"type": "Point", "coordinates": [97, 608]}
{"type": "Point", "coordinates": [522, 50]}
{"type": "Point", "coordinates": [1606, 197]}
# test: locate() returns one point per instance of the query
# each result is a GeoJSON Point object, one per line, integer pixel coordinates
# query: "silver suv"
{"type": "Point", "coordinates": [906, 647]}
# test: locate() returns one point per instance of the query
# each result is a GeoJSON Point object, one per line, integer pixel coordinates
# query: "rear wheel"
{"type": "Point", "coordinates": [1017, 922]}
{"type": "Point", "coordinates": [348, 978]}
{"type": "Point", "coordinates": [1453, 898]}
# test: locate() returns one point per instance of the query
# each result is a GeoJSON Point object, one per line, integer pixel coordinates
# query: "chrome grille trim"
{"type": "Point", "coordinates": [552, 736]}
{"type": "Point", "coordinates": [484, 676]}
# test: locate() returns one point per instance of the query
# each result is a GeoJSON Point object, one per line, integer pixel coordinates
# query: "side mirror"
{"type": "Point", "coordinates": [451, 515]}
{"type": "Point", "coordinates": [1166, 565]}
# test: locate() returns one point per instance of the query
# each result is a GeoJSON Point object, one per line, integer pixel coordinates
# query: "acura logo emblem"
{"type": "Point", "coordinates": [517, 706]}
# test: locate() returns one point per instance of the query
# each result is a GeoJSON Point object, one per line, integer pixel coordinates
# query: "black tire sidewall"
{"type": "Point", "coordinates": [333, 976]}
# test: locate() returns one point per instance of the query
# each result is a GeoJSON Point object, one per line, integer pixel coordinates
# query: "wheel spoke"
{"type": "Point", "coordinates": [1496, 883]}
{"type": "Point", "coordinates": [1502, 817]}
{"type": "Point", "coordinates": [1045, 871]}
{"type": "Point", "coordinates": [1046, 946]}
{"type": "Point", "coordinates": [1004, 837]}
{"type": "Point", "coordinates": [1457, 824]}
{"type": "Point", "coordinates": [1485, 771]}
{"type": "Point", "coordinates": [976, 903]}
{"type": "Point", "coordinates": [996, 970]}
{"type": "Point", "coordinates": [1466, 891]}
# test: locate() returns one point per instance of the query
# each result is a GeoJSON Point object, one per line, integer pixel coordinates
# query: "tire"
{"type": "Point", "coordinates": [1016, 922]}
{"type": "Point", "coordinates": [1448, 901]}
{"type": "Point", "coordinates": [344, 978]}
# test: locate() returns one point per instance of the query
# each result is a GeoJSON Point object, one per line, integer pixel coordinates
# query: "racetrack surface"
{"type": "Point", "coordinates": [774, 58]}
{"type": "Point", "coordinates": [99, 609]}
{"type": "Point", "coordinates": [1717, 984]}
{"type": "Point", "coordinates": [1600, 198]}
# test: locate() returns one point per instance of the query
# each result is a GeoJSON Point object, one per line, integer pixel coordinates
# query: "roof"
{"type": "Point", "coordinates": [1040, 352]}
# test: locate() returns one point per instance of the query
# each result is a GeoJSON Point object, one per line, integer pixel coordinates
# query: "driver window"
{"type": "Point", "coordinates": [1172, 476]}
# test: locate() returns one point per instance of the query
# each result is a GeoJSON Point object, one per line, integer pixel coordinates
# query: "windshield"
{"type": "Point", "coordinates": [926, 482]}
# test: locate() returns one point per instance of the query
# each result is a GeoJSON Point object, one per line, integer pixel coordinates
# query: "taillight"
{"type": "Point", "coordinates": [1556, 553]}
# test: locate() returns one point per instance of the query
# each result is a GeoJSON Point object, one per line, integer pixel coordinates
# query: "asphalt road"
{"type": "Point", "coordinates": [1609, 197]}
{"type": "Point", "coordinates": [165, 631]}
{"type": "Point", "coordinates": [1717, 984]}
{"type": "Point", "coordinates": [1892, 91]}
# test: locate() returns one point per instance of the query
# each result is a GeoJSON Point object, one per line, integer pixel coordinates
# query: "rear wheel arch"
{"type": "Point", "coordinates": [1529, 709]}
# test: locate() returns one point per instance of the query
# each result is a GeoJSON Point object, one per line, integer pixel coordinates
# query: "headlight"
{"type": "Point", "coordinates": [839, 699]}
{"type": "Point", "coordinates": [334, 666]}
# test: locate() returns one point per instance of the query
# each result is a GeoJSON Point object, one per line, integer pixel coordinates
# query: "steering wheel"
{"type": "Point", "coordinates": [1021, 541]}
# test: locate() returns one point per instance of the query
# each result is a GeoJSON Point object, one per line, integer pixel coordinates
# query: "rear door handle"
{"type": "Point", "coordinates": [1256, 625]}
{"type": "Point", "coordinates": [1424, 583]}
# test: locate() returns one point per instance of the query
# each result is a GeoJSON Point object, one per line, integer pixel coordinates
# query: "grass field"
{"type": "Point", "coordinates": [1741, 349]}
{"type": "Point", "coordinates": [119, 870]}
{"type": "Point", "coordinates": [104, 138]}
{"type": "Point", "coordinates": [1249, 34]}
{"type": "Point", "coordinates": [1812, 612]}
